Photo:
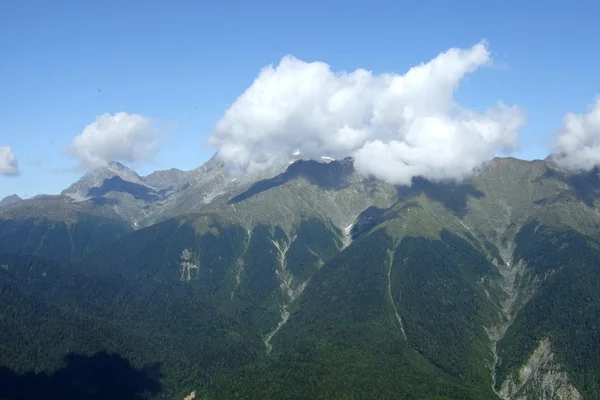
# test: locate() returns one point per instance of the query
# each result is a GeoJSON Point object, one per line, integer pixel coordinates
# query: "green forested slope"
{"type": "Point", "coordinates": [59, 240]}
{"type": "Point", "coordinates": [344, 341]}
{"type": "Point", "coordinates": [565, 308]}
{"type": "Point", "coordinates": [268, 297]}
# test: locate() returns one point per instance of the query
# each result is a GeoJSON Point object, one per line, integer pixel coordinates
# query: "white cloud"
{"type": "Point", "coordinates": [396, 126]}
{"type": "Point", "coordinates": [578, 141]}
{"type": "Point", "coordinates": [120, 137]}
{"type": "Point", "coordinates": [9, 165]}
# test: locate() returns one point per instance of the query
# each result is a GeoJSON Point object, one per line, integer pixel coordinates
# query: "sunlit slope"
{"type": "Point", "coordinates": [320, 283]}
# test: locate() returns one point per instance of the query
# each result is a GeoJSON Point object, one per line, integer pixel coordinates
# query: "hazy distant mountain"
{"type": "Point", "coordinates": [315, 282]}
{"type": "Point", "coordinates": [142, 201]}
{"type": "Point", "coordinates": [8, 200]}
{"type": "Point", "coordinates": [96, 178]}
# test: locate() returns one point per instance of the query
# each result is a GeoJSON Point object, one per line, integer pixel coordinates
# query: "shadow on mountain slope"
{"type": "Point", "coordinates": [452, 195]}
{"type": "Point", "coordinates": [329, 176]}
{"type": "Point", "coordinates": [585, 184]}
{"type": "Point", "coordinates": [367, 220]}
{"type": "Point", "coordinates": [101, 376]}
{"type": "Point", "coordinates": [117, 184]}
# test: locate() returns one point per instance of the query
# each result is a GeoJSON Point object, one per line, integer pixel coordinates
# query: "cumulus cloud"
{"type": "Point", "coordinates": [395, 126]}
{"type": "Point", "coordinates": [120, 137]}
{"type": "Point", "coordinates": [9, 165]}
{"type": "Point", "coordinates": [578, 141]}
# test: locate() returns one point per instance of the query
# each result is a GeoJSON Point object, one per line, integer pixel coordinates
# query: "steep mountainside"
{"type": "Point", "coordinates": [56, 228]}
{"type": "Point", "coordinates": [316, 282]}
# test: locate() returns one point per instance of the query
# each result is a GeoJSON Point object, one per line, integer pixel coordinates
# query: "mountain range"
{"type": "Point", "coordinates": [311, 281]}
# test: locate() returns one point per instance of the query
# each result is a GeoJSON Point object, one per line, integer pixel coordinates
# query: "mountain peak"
{"type": "Point", "coordinates": [8, 200]}
{"type": "Point", "coordinates": [119, 168]}
{"type": "Point", "coordinates": [95, 178]}
{"type": "Point", "coordinates": [117, 165]}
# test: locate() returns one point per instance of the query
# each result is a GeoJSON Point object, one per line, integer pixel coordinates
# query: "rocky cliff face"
{"type": "Point", "coordinates": [541, 378]}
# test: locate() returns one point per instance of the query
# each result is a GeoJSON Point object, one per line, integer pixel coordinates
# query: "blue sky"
{"type": "Point", "coordinates": [184, 63]}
